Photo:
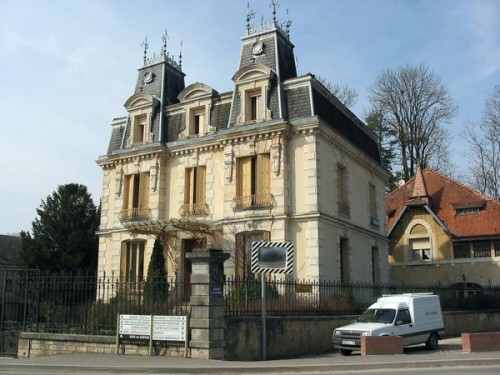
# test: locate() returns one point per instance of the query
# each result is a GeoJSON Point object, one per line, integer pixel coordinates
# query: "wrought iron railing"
{"type": "Point", "coordinates": [90, 305]}
{"type": "Point", "coordinates": [325, 298]}
{"type": "Point", "coordinates": [252, 201]}
{"type": "Point", "coordinates": [194, 209]}
{"type": "Point", "coordinates": [135, 214]}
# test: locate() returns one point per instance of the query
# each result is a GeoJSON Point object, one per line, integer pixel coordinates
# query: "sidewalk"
{"type": "Point", "coordinates": [449, 354]}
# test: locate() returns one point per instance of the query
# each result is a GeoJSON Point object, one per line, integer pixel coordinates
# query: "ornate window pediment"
{"type": "Point", "coordinates": [253, 83]}
{"type": "Point", "coordinates": [140, 108]}
{"type": "Point", "coordinates": [196, 91]}
{"type": "Point", "coordinates": [197, 102]}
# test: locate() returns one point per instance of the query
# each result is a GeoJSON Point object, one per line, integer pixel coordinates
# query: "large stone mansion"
{"type": "Point", "coordinates": [278, 158]}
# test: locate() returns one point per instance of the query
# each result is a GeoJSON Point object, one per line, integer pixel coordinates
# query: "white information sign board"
{"type": "Point", "coordinates": [135, 326]}
{"type": "Point", "coordinates": [169, 328]}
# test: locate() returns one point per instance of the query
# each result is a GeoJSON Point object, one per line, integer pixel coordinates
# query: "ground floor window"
{"type": "Point", "coordinates": [476, 249]}
{"type": "Point", "coordinates": [243, 252]}
{"type": "Point", "coordinates": [132, 261]}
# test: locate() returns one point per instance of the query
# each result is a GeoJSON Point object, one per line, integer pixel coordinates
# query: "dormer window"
{"type": "Point", "coordinates": [197, 123]}
{"type": "Point", "coordinates": [254, 109]}
{"type": "Point", "coordinates": [197, 101]}
{"type": "Point", "coordinates": [140, 129]}
{"type": "Point", "coordinates": [141, 109]}
{"type": "Point", "coordinates": [467, 211]}
{"type": "Point", "coordinates": [253, 83]}
{"type": "Point", "coordinates": [469, 208]}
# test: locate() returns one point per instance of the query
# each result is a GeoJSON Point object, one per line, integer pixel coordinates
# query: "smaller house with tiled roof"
{"type": "Point", "coordinates": [442, 231]}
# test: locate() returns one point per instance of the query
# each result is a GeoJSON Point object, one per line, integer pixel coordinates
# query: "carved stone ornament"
{"type": "Point", "coordinates": [228, 165]}
{"type": "Point", "coordinates": [153, 172]}
{"type": "Point", "coordinates": [119, 183]}
{"type": "Point", "coordinates": [276, 155]}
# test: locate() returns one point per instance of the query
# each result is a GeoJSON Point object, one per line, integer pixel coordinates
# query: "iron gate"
{"type": "Point", "coordinates": [18, 305]}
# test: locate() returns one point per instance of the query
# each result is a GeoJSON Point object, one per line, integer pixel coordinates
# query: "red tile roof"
{"type": "Point", "coordinates": [445, 196]}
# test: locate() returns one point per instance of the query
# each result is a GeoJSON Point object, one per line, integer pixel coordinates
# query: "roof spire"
{"type": "Point", "coordinates": [250, 16]}
{"type": "Point", "coordinates": [286, 25]}
{"type": "Point", "coordinates": [180, 57]}
{"type": "Point", "coordinates": [419, 189]}
{"type": "Point", "coordinates": [274, 4]}
{"type": "Point", "coordinates": [146, 46]}
{"type": "Point", "coordinates": [164, 37]}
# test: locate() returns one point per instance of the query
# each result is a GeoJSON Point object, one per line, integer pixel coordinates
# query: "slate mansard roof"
{"type": "Point", "coordinates": [290, 98]}
{"type": "Point", "coordinates": [446, 199]}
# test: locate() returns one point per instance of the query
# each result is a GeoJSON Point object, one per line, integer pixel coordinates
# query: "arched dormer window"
{"type": "Point", "coordinates": [197, 101]}
{"type": "Point", "coordinates": [140, 108]}
{"type": "Point", "coordinates": [420, 244]}
{"type": "Point", "coordinates": [252, 83]}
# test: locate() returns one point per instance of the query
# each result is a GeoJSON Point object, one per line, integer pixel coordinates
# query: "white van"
{"type": "Point", "coordinates": [416, 317]}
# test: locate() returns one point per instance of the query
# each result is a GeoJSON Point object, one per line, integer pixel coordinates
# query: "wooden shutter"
{"type": "Point", "coordinates": [188, 186]}
{"type": "Point", "coordinates": [144, 190]}
{"type": "Point", "coordinates": [244, 177]}
{"type": "Point", "coordinates": [263, 174]}
{"type": "Point", "coordinates": [200, 184]}
{"type": "Point", "coordinates": [127, 192]}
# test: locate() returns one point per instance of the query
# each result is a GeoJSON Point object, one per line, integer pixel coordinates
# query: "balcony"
{"type": "Point", "coordinates": [252, 201]}
{"type": "Point", "coordinates": [194, 209]}
{"type": "Point", "coordinates": [131, 214]}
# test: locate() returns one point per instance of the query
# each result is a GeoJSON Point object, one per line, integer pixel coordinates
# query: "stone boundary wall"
{"type": "Point", "coordinates": [286, 337]}
{"type": "Point", "coordinates": [295, 336]}
{"type": "Point", "coordinates": [34, 344]}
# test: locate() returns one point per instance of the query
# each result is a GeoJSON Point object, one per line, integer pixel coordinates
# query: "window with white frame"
{"type": "Point", "coordinates": [140, 129]}
{"type": "Point", "coordinates": [197, 122]}
{"type": "Point", "coordinates": [420, 244]}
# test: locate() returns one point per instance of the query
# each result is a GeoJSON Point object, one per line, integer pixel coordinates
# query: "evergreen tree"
{"type": "Point", "coordinates": [375, 122]}
{"type": "Point", "coordinates": [156, 287]}
{"type": "Point", "coordinates": [63, 238]}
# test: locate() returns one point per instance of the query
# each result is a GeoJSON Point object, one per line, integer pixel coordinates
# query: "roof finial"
{"type": "Point", "coordinates": [164, 37]}
{"type": "Point", "coordinates": [250, 16]}
{"type": "Point", "coordinates": [146, 46]}
{"type": "Point", "coordinates": [180, 58]}
{"type": "Point", "coordinates": [274, 4]}
{"type": "Point", "coordinates": [287, 25]}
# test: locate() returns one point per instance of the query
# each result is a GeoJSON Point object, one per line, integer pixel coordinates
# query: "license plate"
{"type": "Point", "coordinates": [348, 342]}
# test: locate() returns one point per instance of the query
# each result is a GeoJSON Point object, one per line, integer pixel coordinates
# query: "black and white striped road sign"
{"type": "Point", "coordinates": [272, 257]}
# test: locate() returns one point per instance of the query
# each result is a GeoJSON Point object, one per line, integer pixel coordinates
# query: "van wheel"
{"type": "Point", "coordinates": [432, 342]}
{"type": "Point", "coordinates": [345, 351]}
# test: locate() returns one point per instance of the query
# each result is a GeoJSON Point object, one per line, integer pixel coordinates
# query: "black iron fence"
{"type": "Point", "coordinates": [90, 305]}
{"type": "Point", "coordinates": [83, 304]}
{"type": "Point", "coordinates": [325, 298]}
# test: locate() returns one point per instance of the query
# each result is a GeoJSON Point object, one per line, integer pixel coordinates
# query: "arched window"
{"type": "Point", "coordinates": [420, 244]}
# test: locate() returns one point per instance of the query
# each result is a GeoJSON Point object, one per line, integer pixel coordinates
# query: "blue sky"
{"type": "Point", "coordinates": [67, 68]}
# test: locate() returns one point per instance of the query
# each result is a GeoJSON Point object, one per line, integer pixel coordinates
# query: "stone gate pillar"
{"type": "Point", "coordinates": [207, 303]}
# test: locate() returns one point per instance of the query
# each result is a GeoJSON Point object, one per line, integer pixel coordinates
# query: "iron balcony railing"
{"type": "Point", "coordinates": [135, 214]}
{"type": "Point", "coordinates": [194, 209]}
{"type": "Point", "coordinates": [252, 201]}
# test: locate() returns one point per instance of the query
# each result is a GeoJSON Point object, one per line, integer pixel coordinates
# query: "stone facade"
{"type": "Point", "coordinates": [268, 156]}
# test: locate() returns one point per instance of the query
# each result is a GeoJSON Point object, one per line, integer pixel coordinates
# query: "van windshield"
{"type": "Point", "coordinates": [378, 316]}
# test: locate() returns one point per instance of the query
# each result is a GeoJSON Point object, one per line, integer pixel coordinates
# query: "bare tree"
{"type": "Point", "coordinates": [415, 105]}
{"type": "Point", "coordinates": [484, 142]}
{"type": "Point", "coordinates": [346, 95]}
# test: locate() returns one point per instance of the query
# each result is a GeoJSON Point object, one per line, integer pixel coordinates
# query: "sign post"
{"type": "Point", "coordinates": [270, 257]}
